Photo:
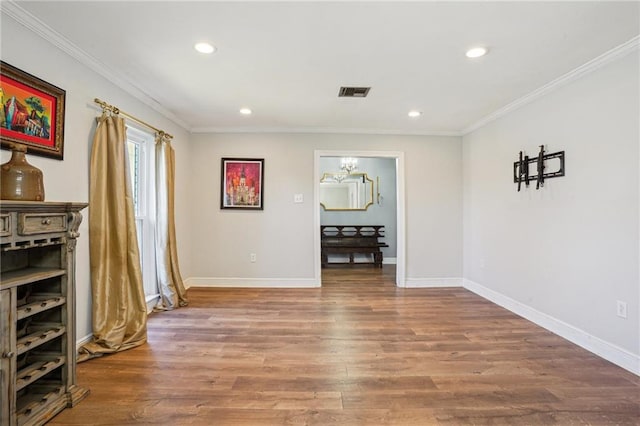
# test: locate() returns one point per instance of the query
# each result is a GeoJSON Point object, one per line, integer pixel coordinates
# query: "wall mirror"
{"type": "Point", "coordinates": [346, 191]}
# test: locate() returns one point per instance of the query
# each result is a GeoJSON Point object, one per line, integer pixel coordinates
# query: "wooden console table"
{"type": "Point", "coordinates": [350, 240]}
{"type": "Point", "coordinates": [37, 310]}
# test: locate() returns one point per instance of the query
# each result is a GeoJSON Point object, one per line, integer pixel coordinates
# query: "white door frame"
{"type": "Point", "coordinates": [400, 202]}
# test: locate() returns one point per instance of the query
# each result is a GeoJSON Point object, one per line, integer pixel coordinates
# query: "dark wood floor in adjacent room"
{"type": "Point", "coordinates": [358, 351]}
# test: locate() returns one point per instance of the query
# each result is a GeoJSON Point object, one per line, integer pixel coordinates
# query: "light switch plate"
{"type": "Point", "coordinates": [298, 198]}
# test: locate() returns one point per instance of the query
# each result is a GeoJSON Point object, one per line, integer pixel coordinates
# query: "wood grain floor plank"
{"type": "Point", "coordinates": [358, 351]}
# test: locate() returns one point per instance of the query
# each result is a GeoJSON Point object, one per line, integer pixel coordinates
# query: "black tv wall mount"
{"type": "Point", "coordinates": [522, 168]}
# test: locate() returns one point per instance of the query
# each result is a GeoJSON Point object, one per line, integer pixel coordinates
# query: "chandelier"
{"type": "Point", "coordinates": [349, 164]}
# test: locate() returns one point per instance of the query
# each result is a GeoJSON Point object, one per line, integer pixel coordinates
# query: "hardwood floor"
{"type": "Point", "coordinates": [358, 351]}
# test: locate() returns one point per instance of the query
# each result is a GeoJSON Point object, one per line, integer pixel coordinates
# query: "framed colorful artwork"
{"type": "Point", "coordinates": [32, 113]}
{"type": "Point", "coordinates": [242, 184]}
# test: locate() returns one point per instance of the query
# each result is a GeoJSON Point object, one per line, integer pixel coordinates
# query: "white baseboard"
{"type": "Point", "coordinates": [603, 349]}
{"type": "Point", "coordinates": [83, 341]}
{"type": "Point", "coordinates": [151, 302]}
{"type": "Point", "coordinates": [432, 282]}
{"type": "Point", "coordinates": [252, 282]}
{"type": "Point", "coordinates": [389, 261]}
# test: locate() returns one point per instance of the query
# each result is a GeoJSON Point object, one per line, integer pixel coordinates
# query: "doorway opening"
{"type": "Point", "coordinates": [372, 164]}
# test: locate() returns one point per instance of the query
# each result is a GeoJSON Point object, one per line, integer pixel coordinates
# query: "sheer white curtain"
{"type": "Point", "coordinates": [170, 284]}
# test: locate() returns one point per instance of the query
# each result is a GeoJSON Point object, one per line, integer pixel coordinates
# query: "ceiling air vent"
{"type": "Point", "coordinates": [353, 92]}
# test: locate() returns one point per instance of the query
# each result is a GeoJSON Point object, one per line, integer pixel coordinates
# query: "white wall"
{"type": "Point", "coordinates": [566, 253]}
{"type": "Point", "coordinates": [68, 180]}
{"type": "Point", "coordinates": [282, 236]}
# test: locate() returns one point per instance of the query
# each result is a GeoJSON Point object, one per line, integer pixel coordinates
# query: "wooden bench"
{"type": "Point", "coordinates": [350, 240]}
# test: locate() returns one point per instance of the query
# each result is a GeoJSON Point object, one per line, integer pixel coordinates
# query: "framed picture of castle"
{"type": "Point", "coordinates": [32, 113]}
{"type": "Point", "coordinates": [242, 184]}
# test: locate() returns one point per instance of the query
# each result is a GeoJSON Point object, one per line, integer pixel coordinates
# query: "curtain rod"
{"type": "Point", "coordinates": [108, 107]}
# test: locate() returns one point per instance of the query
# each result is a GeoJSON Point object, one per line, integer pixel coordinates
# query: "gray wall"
{"type": "Point", "coordinates": [68, 180]}
{"type": "Point", "coordinates": [381, 170]}
{"type": "Point", "coordinates": [570, 250]}
{"type": "Point", "coordinates": [282, 236]}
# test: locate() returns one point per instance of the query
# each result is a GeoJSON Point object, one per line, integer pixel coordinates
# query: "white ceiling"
{"type": "Point", "coordinates": [287, 60]}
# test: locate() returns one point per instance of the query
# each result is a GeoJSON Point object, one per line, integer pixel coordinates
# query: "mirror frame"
{"type": "Point", "coordinates": [361, 174]}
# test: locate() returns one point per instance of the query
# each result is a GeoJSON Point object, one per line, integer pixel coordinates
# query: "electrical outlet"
{"type": "Point", "coordinates": [298, 198]}
{"type": "Point", "coordinates": [253, 257]}
{"type": "Point", "coordinates": [621, 309]}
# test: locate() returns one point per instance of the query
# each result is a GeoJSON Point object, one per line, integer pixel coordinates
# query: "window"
{"type": "Point", "coordinates": [142, 172]}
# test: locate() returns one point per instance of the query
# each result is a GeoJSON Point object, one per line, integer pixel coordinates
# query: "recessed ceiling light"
{"type": "Point", "coordinates": [414, 114]}
{"type": "Point", "coordinates": [204, 48]}
{"type": "Point", "coordinates": [245, 111]}
{"type": "Point", "coordinates": [476, 52]}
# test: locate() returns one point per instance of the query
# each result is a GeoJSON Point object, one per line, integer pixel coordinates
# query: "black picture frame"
{"type": "Point", "coordinates": [242, 184]}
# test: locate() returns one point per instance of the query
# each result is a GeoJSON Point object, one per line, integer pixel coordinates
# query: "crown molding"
{"type": "Point", "coordinates": [323, 130]}
{"type": "Point", "coordinates": [12, 9]}
{"type": "Point", "coordinates": [592, 65]}
{"type": "Point", "coordinates": [31, 22]}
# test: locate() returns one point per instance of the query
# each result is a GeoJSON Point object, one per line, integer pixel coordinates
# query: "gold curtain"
{"type": "Point", "coordinates": [170, 285]}
{"type": "Point", "coordinates": [119, 307]}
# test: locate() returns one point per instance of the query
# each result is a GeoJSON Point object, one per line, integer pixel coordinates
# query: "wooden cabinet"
{"type": "Point", "coordinates": [37, 310]}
